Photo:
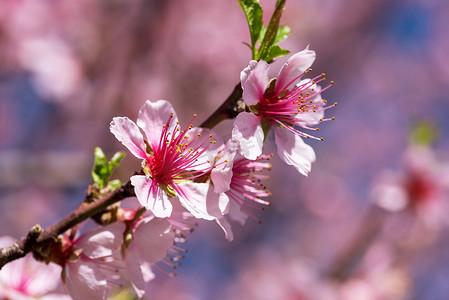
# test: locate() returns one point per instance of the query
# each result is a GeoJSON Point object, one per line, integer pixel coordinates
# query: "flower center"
{"type": "Point", "coordinates": [295, 105]}
{"type": "Point", "coordinates": [179, 156]}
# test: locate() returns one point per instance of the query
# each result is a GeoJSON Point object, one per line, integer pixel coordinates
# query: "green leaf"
{"type": "Point", "coordinates": [275, 51]}
{"type": "Point", "coordinates": [253, 12]}
{"type": "Point", "coordinates": [103, 168]}
{"type": "Point", "coordinates": [272, 31]}
{"type": "Point", "coordinates": [282, 34]}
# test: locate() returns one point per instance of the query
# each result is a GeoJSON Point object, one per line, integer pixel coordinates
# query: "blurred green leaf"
{"type": "Point", "coordinates": [424, 133]}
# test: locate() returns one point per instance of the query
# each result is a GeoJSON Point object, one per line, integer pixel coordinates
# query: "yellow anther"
{"type": "Point", "coordinates": [323, 74]}
{"type": "Point", "coordinates": [332, 82]}
{"type": "Point", "coordinates": [210, 135]}
{"type": "Point", "coordinates": [335, 104]}
{"type": "Point", "coordinates": [194, 115]}
{"type": "Point", "coordinates": [325, 101]}
{"type": "Point", "coordinates": [317, 129]}
{"type": "Point", "coordinates": [322, 139]}
{"type": "Point", "coordinates": [333, 118]}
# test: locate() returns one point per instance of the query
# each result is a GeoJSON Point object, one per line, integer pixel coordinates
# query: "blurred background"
{"type": "Point", "coordinates": [68, 67]}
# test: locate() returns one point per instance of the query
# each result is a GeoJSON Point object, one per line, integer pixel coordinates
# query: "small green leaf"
{"type": "Point", "coordinates": [275, 51]}
{"type": "Point", "coordinates": [253, 12]}
{"type": "Point", "coordinates": [103, 168]}
{"type": "Point", "coordinates": [116, 159]}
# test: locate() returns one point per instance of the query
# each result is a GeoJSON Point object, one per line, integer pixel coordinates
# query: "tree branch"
{"type": "Point", "coordinates": [38, 239]}
{"type": "Point", "coordinates": [228, 110]}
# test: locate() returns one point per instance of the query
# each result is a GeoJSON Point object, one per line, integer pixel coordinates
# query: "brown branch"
{"type": "Point", "coordinates": [38, 239]}
{"type": "Point", "coordinates": [230, 108]}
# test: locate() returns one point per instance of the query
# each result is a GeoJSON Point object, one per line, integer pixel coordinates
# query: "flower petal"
{"type": "Point", "coordinates": [139, 274]}
{"type": "Point", "coordinates": [292, 150]}
{"type": "Point", "coordinates": [294, 67]}
{"type": "Point", "coordinates": [201, 200]}
{"type": "Point", "coordinates": [152, 197]}
{"type": "Point", "coordinates": [127, 132]}
{"type": "Point", "coordinates": [152, 238]}
{"type": "Point", "coordinates": [152, 117]}
{"type": "Point", "coordinates": [248, 133]}
{"type": "Point", "coordinates": [102, 241]}
{"type": "Point", "coordinates": [254, 80]}
{"type": "Point", "coordinates": [224, 224]}
{"type": "Point", "coordinates": [85, 281]}
{"type": "Point", "coordinates": [221, 175]}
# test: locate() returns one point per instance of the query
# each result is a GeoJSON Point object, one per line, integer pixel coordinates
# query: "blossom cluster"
{"type": "Point", "coordinates": [189, 173]}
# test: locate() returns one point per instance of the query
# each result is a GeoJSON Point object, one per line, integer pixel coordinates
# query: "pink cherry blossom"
{"type": "Point", "coordinates": [93, 264]}
{"type": "Point", "coordinates": [27, 279]}
{"type": "Point", "coordinates": [172, 159]}
{"type": "Point", "coordinates": [281, 105]}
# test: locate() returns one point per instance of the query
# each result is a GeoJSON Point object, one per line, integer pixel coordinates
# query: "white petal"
{"type": "Point", "coordinates": [248, 133]}
{"type": "Point", "coordinates": [201, 200]}
{"type": "Point", "coordinates": [295, 66]}
{"type": "Point", "coordinates": [254, 80]}
{"type": "Point", "coordinates": [292, 150]}
{"type": "Point", "coordinates": [102, 241]}
{"type": "Point", "coordinates": [127, 132]}
{"type": "Point", "coordinates": [154, 199]}
{"type": "Point", "coordinates": [152, 117]}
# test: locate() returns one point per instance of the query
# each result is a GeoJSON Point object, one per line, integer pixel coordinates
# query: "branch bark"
{"type": "Point", "coordinates": [37, 239]}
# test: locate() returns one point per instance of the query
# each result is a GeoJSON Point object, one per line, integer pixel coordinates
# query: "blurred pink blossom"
{"type": "Point", "coordinates": [28, 279]}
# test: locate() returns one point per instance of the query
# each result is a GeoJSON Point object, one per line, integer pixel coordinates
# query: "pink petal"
{"type": "Point", "coordinates": [152, 117]}
{"type": "Point", "coordinates": [152, 239]}
{"type": "Point", "coordinates": [254, 80]}
{"type": "Point", "coordinates": [236, 213]}
{"type": "Point", "coordinates": [154, 199]}
{"type": "Point", "coordinates": [221, 175]}
{"type": "Point", "coordinates": [102, 241]}
{"type": "Point", "coordinates": [295, 66]}
{"type": "Point", "coordinates": [85, 281]}
{"type": "Point", "coordinates": [224, 224]}
{"type": "Point", "coordinates": [127, 132]}
{"type": "Point", "coordinates": [201, 200]}
{"type": "Point", "coordinates": [248, 133]}
{"type": "Point", "coordinates": [292, 150]}
{"type": "Point", "coordinates": [139, 274]}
